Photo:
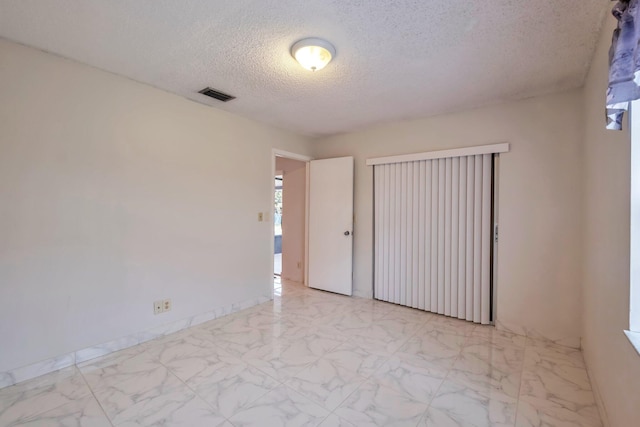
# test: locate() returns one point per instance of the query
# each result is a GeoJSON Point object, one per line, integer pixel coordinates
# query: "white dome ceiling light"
{"type": "Point", "coordinates": [313, 54]}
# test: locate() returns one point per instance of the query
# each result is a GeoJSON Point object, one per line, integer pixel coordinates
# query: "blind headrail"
{"type": "Point", "coordinates": [441, 154]}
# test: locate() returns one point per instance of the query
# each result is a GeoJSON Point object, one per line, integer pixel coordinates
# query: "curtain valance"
{"type": "Point", "coordinates": [624, 62]}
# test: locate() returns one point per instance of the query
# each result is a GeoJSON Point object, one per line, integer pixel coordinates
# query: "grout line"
{"type": "Point", "coordinates": [36, 416]}
{"type": "Point", "coordinates": [95, 398]}
{"type": "Point", "coordinates": [524, 359]}
{"type": "Point", "coordinates": [194, 392]}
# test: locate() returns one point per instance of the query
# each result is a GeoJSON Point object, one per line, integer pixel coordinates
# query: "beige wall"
{"type": "Point", "coordinates": [538, 273]}
{"type": "Point", "coordinates": [613, 364]}
{"type": "Point", "coordinates": [114, 194]}
{"type": "Point", "coordinates": [294, 178]}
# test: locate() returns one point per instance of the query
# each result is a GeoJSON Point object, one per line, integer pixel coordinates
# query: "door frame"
{"type": "Point", "coordinates": [276, 152]}
{"type": "Point", "coordinates": [495, 237]}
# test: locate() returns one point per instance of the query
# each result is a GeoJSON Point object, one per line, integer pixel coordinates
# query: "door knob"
{"type": "Point", "coordinates": [346, 233]}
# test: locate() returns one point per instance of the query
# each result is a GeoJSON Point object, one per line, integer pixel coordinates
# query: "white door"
{"type": "Point", "coordinates": [331, 224]}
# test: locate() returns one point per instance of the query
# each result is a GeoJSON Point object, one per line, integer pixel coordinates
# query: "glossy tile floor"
{"type": "Point", "coordinates": [277, 264]}
{"type": "Point", "coordinates": [313, 358]}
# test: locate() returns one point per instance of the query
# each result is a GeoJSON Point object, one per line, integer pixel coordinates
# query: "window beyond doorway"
{"type": "Point", "coordinates": [277, 227]}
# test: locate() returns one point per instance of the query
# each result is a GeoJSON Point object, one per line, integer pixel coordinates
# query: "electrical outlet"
{"type": "Point", "coordinates": [166, 305]}
{"type": "Point", "coordinates": [260, 216]}
{"type": "Point", "coordinates": [158, 307]}
{"type": "Point", "coordinates": [299, 264]}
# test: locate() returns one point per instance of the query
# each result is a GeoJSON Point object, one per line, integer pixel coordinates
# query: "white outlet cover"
{"type": "Point", "coordinates": [158, 307]}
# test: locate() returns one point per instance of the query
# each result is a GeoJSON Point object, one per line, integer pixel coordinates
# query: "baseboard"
{"type": "Point", "coordinates": [602, 409]}
{"type": "Point", "coordinates": [567, 341]}
{"type": "Point", "coordinates": [43, 367]}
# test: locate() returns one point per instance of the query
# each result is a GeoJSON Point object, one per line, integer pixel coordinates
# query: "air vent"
{"type": "Point", "coordinates": [216, 94]}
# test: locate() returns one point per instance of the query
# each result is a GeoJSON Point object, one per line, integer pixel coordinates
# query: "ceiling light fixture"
{"type": "Point", "coordinates": [313, 53]}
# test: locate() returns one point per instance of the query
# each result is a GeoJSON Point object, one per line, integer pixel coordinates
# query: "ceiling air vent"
{"type": "Point", "coordinates": [216, 94]}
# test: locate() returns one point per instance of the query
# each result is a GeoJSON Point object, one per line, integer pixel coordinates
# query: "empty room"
{"type": "Point", "coordinates": [319, 213]}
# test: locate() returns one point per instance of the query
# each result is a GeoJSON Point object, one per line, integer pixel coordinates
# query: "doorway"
{"type": "Point", "coordinates": [289, 220]}
{"type": "Point", "coordinates": [277, 227]}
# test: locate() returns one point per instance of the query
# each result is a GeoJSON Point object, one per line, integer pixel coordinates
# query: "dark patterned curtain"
{"type": "Point", "coordinates": [624, 62]}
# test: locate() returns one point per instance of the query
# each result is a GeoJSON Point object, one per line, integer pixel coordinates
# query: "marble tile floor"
{"type": "Point", "coordinates": [310, 358]}
{"type": "Point", "coordinates": [277, 264]}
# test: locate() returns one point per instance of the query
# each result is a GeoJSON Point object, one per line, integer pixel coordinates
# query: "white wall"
{"type": "Point", "coordinates": [613, 364]}
{"type": "Point", "coordinates": [294, 177]}
{"type": "Point", "coordinates": [539, 206]}
{"type": "Point", "coordinates": [114, 194]}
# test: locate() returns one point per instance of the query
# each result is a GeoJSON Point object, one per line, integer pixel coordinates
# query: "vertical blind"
{"type": "Point", "coordinates": [432, 221]}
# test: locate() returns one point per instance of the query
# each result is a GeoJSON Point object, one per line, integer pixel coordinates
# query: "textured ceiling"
{"type": "Point", "coordinates": [395, 60]}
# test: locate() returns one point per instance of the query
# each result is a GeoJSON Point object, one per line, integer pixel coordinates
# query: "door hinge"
{"type": "Point", "coordinates": [495, 233]}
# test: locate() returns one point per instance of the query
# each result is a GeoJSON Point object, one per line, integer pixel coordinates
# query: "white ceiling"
{"type": "Point", "coordinates": [395, 60]}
